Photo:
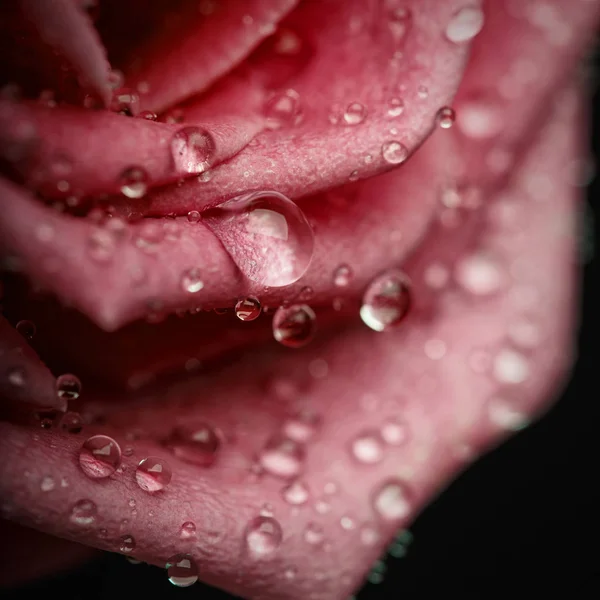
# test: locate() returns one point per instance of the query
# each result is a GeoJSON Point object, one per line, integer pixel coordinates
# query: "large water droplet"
{"type": "Point", "coordinates": [188, 530]}
{"type": "Point", "coordinates": [195, 443]}
{"type": "Point", "coordinates": [367, 448]}
{"type": "Point", "coordinates": [294, 326]}
{"type": "Point", "coordinates": [134, 182]}
{"type": "Point", "coordinates": [191, 281]}
{"type": "Point", "coordinates": [386, 301]}
{"type": "Point", "coordinates": [83, 512]}
{"type": "Point", "coordinates": [282, 457]}
{"type": "Point", "coordinates": [394, 152]}
{"type": "Point", "coordinates": [266, 235]}
{"type": "Point", "coordinates": [68, 386]}
{"type": "Point", "coordinates": [355, 114]}
{"type": "Point", "coordinates": [247, 309]}
{"type": "Point", "coordinates": [99, 456]}
{"type": "Point", "coordinates": [182, 570]}
{"type": "Point", "coordinates": [126, 544]}
{"type": "Point", "coordinates": [296, 493]}
{"type": "Point", "coordinates": [26, 328]}
{"type": "Point", "coordinates": [192, 149]}
{"type": "Point", "coordinates": [263, 536]}
{"type": "Point", "coordinates": [465, 24]}
{"type": "Point", "coordinates": [391, 501]}
{"type": "Point", "coordinates": [153, 474]}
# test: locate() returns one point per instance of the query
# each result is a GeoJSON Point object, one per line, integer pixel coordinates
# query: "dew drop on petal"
{"type": "Point", "coordinates": [83, 512]}
{"type": "Point", "coordinates": [148, 115]}
{"type": "Point", "coordinates": [191, 281]}
{"type": "Point", "coordinates": [386, 301]}
{"type": "Point", "coordinates": [294, 326]}
{"type": "Point", "coordinates": [68, 386]}
{"type": "Point", "coordinates": [187, 530]}
{"type": "Point", "coordinates": [194, 443]}
{"type": "Point", "coordinates": [99, 456]}
{"type": "Point", "coordinates": [395, 107]}
{"type": "Point", "coordinates": [193, 216]}
{"type": "Point", "coordinates": [296, 493]}
{"type": "Point", "coordinates": [505, 414]}
{"type": "Point", "coordinates": [126, 544]}
{"type": "Point", "coordinates": [394, 152]}
{"type": "Point", "coordinates": [282, 110]}
{"type": "Point", "coordinates": [367, 448]}
{"type": "Point", "coordinates": [282, 457]}
{"type": "Point", "coordinates": [267, 236]}
{"type": "Point", "coordinates": [342, 276]}
{"type": "Point", "coordinates": [394, 432]}
{"type": "Point", "coordinates": [465, 24]}
{"type": "Point", "coordinates": [101, 246]}
{"type": "Point", "coordinates": [445, 117]}
{"type": "Point", "coordinates": [314, 534]}
{"type": "Point", "coordinates": [263, 536]}
{"type": "Point", "coordinates": [26, 328]}
{"type": "Point", "coordinates": [248, 309]}
{"type": "Point", "coordinates": [510, 367]}
{"type": "Point", "coordinates": [391, 501]}
{"type": "Point", "coordinates": [479, 274]}
{"type": "Point", "coordinates": [192, 149]}
{"type": "Point", "coordinates": [153, 474]}
{"type": "Point", "coordinates": [302, 427]}
{"type": "Point", "coordinates": [182, 570]}
{"type": "Point", "coordinates": [355, 113]}
{"type": "Point", "coordinates": [134, 182]}
{"type": "Point", "coordinates": [47, 484]}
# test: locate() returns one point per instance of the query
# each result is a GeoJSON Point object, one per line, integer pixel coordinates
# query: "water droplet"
{"type": "Point", "coordinates": [134, 182]}
{"type": "Point", "coordinates": [191, 281]}
{"type": "Point", "coordinates": [125, 101]}
{"type": "Point", "coordinates": [386, 301]}
{"type": "Point", "coordinates": [26, 328]}
{"type": "Point", "coordinates": [192, 149]}
{"type": "Point", "coordinates": [296, 493]}
{"type": "Point", "coordinates": [355, 114]}
{"type": "Point", "coordinates": [68, 386]}
{"type": "Point", "coordinates": [322, 507]}
{"type": "Point", "coordinates": [314, 534]}
{"type": "Point", "coordinates": [282, 110]}
{"type": "Point", "coordinates": [126, 544]}
{"type": "Point", "coordinates": [369, 536]}
{"type": "Point", "coordinates": [263, 536]}
{"type": "Point", "coordinates": [465, 24]}
{"type": "Point", "coordinates": [504, 413]}
{"type": "Point", "coordinates": [101, 245]}
{"type": "Point", "coordinates": [248, 309]}
{"type": "Point", "coordinates": [83, 512]}
{"type": "Point", "coordinates": [396, 107]}
{"type": "Point", "coordinates": [148, 115]}
{"type": "Point", "coordinates": [282, 457]}
{"type": "Point", "coordinates": [267, 236]}
{"type": "Point", "coordinates": [347, 523]}
{"type": "Point", "coordinates": [367, 448]}
{"type": "Point", "coordinates": [153, 474]}
{"type": "Point", "coordinates": [99, 456]}
{"type": "Point", "coordinates": [479, 274]}
{"type": "Point", "coordinates": [294, 326]}
{"type": "Point", "coordinates": [195, 443]}
{"type": "Point", "coordinates": [510, 367]}
{"type": "Point", "coordinates": [182, 570]}
{"type": "Point", "coordinates": [391, 501]}
{"type": "Point", "coordinates": [394, 152]}
{"type": "Point", "coordinates": [188, 530]}
{"type": "Point", "coordinates": [480, 119]}
{"type": "Point", "coordinates": [302, 427]}
{"type": "Point", "coordinates": [47, 484]}
{"type": "Point", "coordinates": [394, 432]}
{"type": "Point", "coordinates": [445, 117]}
{"type": "Point", "coordinates": [422, 92]}
{"type": "Point", "coordinates": [342, 276]}
{"type": "Point", "coordinates": [193, 216]}
{"type": "Point", "coordinates": [399, 23]}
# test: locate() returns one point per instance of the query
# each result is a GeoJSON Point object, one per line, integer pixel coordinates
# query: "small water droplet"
{"type": "Point", "coordinates": [99, 456]}
{"type": "Point", "coordinates": [68, 386]}
{"type": "Point", "coordinates": [125, 101]}
{"type": "Point", "coordinates": [247, 309]}
{"type": "Point", "coordinates": [445, 117]}
{"type": "Point", "coordinates": [195, 443]}
{"type": "Point", "coordinates": [465, 24]}
{"type": "Point", "coordinates": [101, 245]}
{"type": "Point", "coordinates": [83, 512]}
{"type": "Point", "coordinates": [290, 573]}
{"type": "Point", "coordinates": [266, 235]}
{"type": "Point", "coordinates": [367, 448]}
{"type": "Point", "coordinates": [192, 149]}
{"type": "Point", "coordinates": [510, 367]}
{"type": "Point", "coordinates": [314, 534]}
{"type": "Point", "coordinates": [191, 281]}
{"type": "Point", "coordinates": [263, 536]}
{"type": "Point", "coordinates": [347, 523]}
{"type": "Point", "coordinates": [47, 484]}
{"type": "Point", "coordinates": [126, 544]}
{"type": "Point", "coordinates": [395, 107]}
{"type": "Point", "coordinates": [71, 422]}
{"type": "Point", "coordinates": [422, 92]}
{"type": "Point", "coordinates": [294, 326]}
{"type": "Point", "coordinates": [369, 536]}
{"type": "Point", "coordinates": [282, 457]}
{"type": "Point", "coordinates": [391, 501]}
{"type": "Point", "coordinates": [394, 152]}
{"type": "Point", "coordinates": [302, 427]}
{"type": "Point", "coordinates": [148, 115]}
{"type": "Point", "coordinates": [296, 493]}
{"type": "Point", "coordinates": [193, 216]}
{"type": "Point", "coordinates": [394, 432]}
{"type": "Point", "coordinates": [282, 110]}
{"type": "Point", "coordinates": [153, 474]}
{"type": "Point", "coordinates": [322, 507]}
{"type": "Point", "coordinates": [342, 276]}
{"type": "Point", "coordinates": [506, 414]}
{"type": "Point", "coordinates": [187, 530]}
{"type": "Point", "coordinates": [386, 301]}
{"type": "Point", "coordinates": [134, 182]}
{"type": "Point", "coordinates": [182, 570]}
{"type": "Point", "coordinates": [399, 22]}
{"type": "Point", "coordinates": [355, 113]}
{"type": "Point", "coordinates": [26, 328]}
{"type": "Point", "coordinates": [479, 274]}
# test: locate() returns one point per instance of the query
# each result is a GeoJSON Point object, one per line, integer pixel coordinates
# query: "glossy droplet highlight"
{"type": "Point", "coordinates": [191, 281]}
{"type": "Point", "coordinates": [465, 24]}
{"type": "Point", "coordinates": [294, 326]}
{"type": "Point", "coordinates": [354, 114]}
{"type": "Point", "coordinates": [193, 216]}
{"type": "Point", "coordinates": [283, 110]}
{"type": "Point", "coordinates": [188, 530]}
{"type": "Point", "coordinates": [26, 328]}
{"type": "Point", "coordinates": [153, 474]}
{"type": "Point", "coordinates": [68, 386]}
{"type": "Point", "coordinates": [394, 432]}
{"type": "Point", "coordinates": [296, 493]}
{"type": "Point", "coordinates": [195, 443]}
{"type": "Point", "coordinates": [248, 309]}
{"type": "Point", "coordinates": [386, 301]}
{"type": "Point", "coordinates": [99, 456]}
{"type": "Point", "coordinates": [134, 182]}
{"type": "Point", "coordinates": [395, 107]}
{"type": "Point", "coordinates": [302, 427]}
{"type": "Point", "coordinates": [510, 367]}
{"type": "Point", "coordinates": [394, 152]}
{"type": "Point", "coordinates": [282, 457]}
{"type": "Point", "coordinates": [266, 235]}
{"type": "Point", "coordinates": [263, 536]}
{"type": "Point", "coordinates": [445, 117]}
{"type": "Point", "coordinates": [367, 448]}
{"type": "Point", "coordinates": [71, 422]}
{"type": "Point", "coordinates": [314, 534]}
{"type": "Point", "coordinates": [126, 544]}
{"type": "Point", "coordinates": [391, 501]}
{"type": "Point", "coordinates": [182, 570]}
{"type": "Point", "coordinates": [505, 413]}
{"type": "Point", "coordinates": [192, 149]}
{"type": "Point", "coordinates": [342, 276]}
{"type": "Point", "coordinates": [83, 512]}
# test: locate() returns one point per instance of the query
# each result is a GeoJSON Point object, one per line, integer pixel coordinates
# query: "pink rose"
{"type": "Point", "coordinates": [380, 190]}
